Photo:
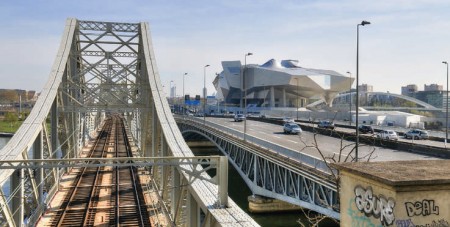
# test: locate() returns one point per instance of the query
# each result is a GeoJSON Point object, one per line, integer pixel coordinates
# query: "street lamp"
{"type": "Point", "coordinates": [204, 94]}
{"type": "Point", "coordinates": [446, 110]}
{"type": "Point", "coordinates": [297, 98]}
{"type": "Point", "coordinates": [357, 89]}
{"type": "Point", "coordinates": [350, 113]}
{"type": "Point", "coordinates": [184, 95]}
{"type": "Point", "coordinates": [171, 95]}
{"type": "Point", "coordinates": [245, 93]}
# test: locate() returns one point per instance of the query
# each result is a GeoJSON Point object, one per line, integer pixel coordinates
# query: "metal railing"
{"type": "Point", "coordinates": [311, 161]}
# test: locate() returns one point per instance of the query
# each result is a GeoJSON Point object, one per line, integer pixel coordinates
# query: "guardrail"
{"type": "Point", "coordinates": [311, 161]}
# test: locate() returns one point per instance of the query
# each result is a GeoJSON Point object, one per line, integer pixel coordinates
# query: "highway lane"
{"type": "Point", "coordinates": [400, 138]}
{"type": "Point", "coordinates": [310, 143]}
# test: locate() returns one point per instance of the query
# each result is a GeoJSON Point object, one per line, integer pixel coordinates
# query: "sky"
{"type": "Point", "coordinates": [405, 43]}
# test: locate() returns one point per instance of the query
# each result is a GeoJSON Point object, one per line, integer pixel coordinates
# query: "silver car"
{"type": "Point", "coordinates": [388, 135]}
{"type": "Point", "coordinates": [416, 134]}
{"type": "Point", "coordinates": [292, 128]}
{"type": "Point", "coordinates": [239, 117]}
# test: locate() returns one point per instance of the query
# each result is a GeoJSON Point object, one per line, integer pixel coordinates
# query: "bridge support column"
{"type": "Point", "coordinates": [54, 137]}
{"type": "Point", "coordinates": [164, 170]}
{"type": "Point", "coordinates": [272, 96]}
{"type": "Point", "coordinates": [260, 204]}
{"type": "Point", "coordinates": [193, 212]}
{"type": "Point", "coordinates": [17, 182]}
{"type": "Point", "coordinates": [39, 174]}
{"type": "Point", "coordinates": [154, 131]}
{"type": "Point", "coordinates": [176, 192]}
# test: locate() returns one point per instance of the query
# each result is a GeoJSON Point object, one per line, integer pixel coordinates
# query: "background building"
{"type": "Point", "coordinates": [409, 90]}
{"type": "Point", "coordinates": [364, 88]}
{"type": "Point", "coordinates": [277, 84]}
{"type": "Point", "coordinates": [433, 87]}
{"type": "Point", "coordinates": [432, 94]}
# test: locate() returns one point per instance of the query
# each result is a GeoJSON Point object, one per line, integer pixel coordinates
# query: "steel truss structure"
{"type": "Point", "coordinates": [270, 174]}
{"type": "Point", "coordinates": [103, 68]}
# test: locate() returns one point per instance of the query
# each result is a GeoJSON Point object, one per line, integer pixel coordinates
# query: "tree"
{"type": "Point", "coordinates": [11, 118]}
{"type": "Point", "coordinates": [8, 96]}
{"type": "Point", "coordinates": [347, 150]}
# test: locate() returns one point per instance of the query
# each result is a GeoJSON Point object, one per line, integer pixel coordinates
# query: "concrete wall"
{"type": "Point", "coordinates": [366, 202]}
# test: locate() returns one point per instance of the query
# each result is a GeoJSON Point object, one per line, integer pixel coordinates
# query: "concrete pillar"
{"type": "Point", "coordinates": [17, 181]}
{"type": "Point", "coordinates": [283, 104]}
{"type": "Point", "coordinates": [193, 212]}
{"type": "Point", "coordinates": [223, 181]}
{"type": "Point", "coordinates": [272, 96]}
{"type": "Point", "coordinates": [176, 192]}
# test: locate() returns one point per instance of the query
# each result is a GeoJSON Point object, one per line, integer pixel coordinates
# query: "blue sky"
{"type": "Point", "coordinates": [406, 42]}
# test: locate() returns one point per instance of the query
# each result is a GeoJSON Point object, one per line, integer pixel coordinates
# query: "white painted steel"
{"type": "Point", "coordinates": [76, 107]}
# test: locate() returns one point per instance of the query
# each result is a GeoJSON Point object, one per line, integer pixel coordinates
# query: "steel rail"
{"type": "Point", "coordinates": [79, 178]}
{"type": "Point", "coordinates": [92, 195]}
{"type": "Point", "coordinates": [133, 178]}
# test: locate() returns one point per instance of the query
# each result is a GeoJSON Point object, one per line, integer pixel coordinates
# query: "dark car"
{"type": "Point", "coordinates": [365, 129]}
{"type": "Point", "coordinates": [325, 124]}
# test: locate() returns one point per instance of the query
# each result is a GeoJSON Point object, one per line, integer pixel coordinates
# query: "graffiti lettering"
{"type": "Point", "coordinates": [405, 223]}
{"type": "Point", "coordinates": [436, 223]}
{"type": "Point", "coordinates": [379, 207]}
{"type": "Point", "coordinates": [358, 219]}
{"type": "Point", "coordinates": [424, 208]}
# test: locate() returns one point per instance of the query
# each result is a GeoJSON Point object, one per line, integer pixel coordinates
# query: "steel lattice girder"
{"type": "Point", "coordinates": [273, 178]}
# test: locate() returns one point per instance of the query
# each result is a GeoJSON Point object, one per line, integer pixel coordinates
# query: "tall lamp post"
{"type": "Point", "coordinates": [363, 23]}
{"type": "Point", "coordinates": [446, 110]}
{"type": "Point", "coordinates": [171, 95]}
{"type": "Point", "coordinates": [297, 98]}
{"type": "Point", "coordinates": [204, 94]}
{"type": "Point", "coordinates": [245, 93]}
{"type": "Point", "coordinates": [184, 95]}
{"type": "Point", "coordinates": [350, 108]}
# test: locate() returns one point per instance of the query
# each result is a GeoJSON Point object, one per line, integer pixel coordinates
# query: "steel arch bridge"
{"type": "Point", "coordinates": [270, 173]}
{"type": "Point", "coordinates": [102, 68]}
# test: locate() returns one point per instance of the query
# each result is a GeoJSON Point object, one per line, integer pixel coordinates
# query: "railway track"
{"type": "Point", "coordinates": [105, 196]}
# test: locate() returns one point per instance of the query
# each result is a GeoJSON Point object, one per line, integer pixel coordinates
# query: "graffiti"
{"type": "Point", "coordinates": [358, 219]}
{"type": "Point", "coordinates": [379, 207]}
{"type": "Point", "coordinates": [405, 223]}
{"type": "Point", "coordinates": [424, 208]}
{"type": "Point", "coordinates": [436, 223]}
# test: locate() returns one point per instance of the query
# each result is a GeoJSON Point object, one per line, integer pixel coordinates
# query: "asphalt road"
{"type": "Point", "coordinates": [311, 143]}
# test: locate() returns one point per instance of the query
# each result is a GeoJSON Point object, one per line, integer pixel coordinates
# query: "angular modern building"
{"type": "Point", "coordinates": [277, 84]}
